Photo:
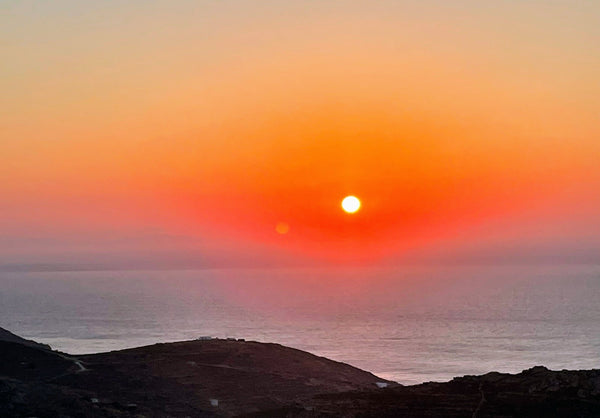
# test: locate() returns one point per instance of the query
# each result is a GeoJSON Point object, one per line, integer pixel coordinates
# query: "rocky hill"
{"type": "Point", "coordinates": [8, 336]}
{"type": "Point", "coordinates": [536, 392]}
{"type": "Point", "coordinates": [192, 378]}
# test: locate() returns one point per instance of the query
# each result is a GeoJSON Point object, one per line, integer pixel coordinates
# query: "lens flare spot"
{"type": "Point", "coordinates": [282, 228]}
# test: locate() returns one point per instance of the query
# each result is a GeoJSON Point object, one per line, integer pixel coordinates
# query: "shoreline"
{"type": "Point", "coordinates": [235, 377]}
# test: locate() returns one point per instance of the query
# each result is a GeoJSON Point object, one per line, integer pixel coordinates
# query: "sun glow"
{"type": "Point", "coordinates": [351, 204]}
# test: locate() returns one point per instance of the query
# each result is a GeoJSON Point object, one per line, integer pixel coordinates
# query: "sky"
{"type": "Point", "coordinates": [226, 133]}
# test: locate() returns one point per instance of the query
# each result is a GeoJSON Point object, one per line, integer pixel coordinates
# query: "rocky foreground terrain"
{"type": "Point", "coordinates": [244, 378]}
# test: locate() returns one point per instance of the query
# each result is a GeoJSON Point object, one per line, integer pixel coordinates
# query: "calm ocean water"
{"type": "Point", "coordinates": [407, 324]}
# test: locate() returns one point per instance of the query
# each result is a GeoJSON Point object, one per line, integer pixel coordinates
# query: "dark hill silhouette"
{"type": "Point", "coordinates": [8, 336]}
{"type": "Point", "coordinates": [176, 379]}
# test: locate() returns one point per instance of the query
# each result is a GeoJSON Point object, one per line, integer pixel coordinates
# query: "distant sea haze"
{"type": "Point", "coordinates": [406, 324]}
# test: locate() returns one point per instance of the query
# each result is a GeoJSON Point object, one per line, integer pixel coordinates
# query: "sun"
{"type": "Point", "coordinates": [351, 204]}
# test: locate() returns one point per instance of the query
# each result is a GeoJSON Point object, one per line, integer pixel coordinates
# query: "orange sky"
{"type": "Point", "coordinates": [196, 127]}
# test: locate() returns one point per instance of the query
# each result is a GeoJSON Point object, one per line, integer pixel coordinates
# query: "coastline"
{"type": "Point", "coordinates": [399, 326]}
{"type": "Point", "coordinates": [229, 377]}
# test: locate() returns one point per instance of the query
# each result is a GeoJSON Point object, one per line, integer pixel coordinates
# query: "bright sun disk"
{"type": "Point", "coordinates": [351, 204]}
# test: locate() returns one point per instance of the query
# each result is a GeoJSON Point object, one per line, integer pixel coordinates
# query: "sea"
{"type": "Point", "coordinates": [409, 324]}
